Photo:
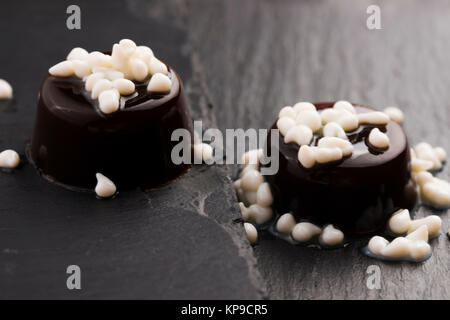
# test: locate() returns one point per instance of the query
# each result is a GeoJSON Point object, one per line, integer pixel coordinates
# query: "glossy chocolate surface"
{"type": "Point", "coordinates": [357, 194]}
{"type": "Point", "coordinates": [73, 139]}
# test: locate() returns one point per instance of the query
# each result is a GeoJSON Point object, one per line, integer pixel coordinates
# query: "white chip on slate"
{"type": "Point", "coordinates": [9, 159]}
{"type": "Point", "coordinates": [6, 91]}
{"type": "Point", "coordinates": [105, 188]}
{"type": "Point", "coordinates": [252, 233]}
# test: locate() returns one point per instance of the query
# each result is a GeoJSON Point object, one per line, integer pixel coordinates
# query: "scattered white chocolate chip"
{"type": "Point", "coordinates": [264, 196]}
{"type": "Point", "coordinates": [377, 244]}
{"type": "Point", "coordinates": [62, 69]}
{"type": "Point", "coordinates": [400, 221]}
{"type": "Point", "coordinates": [127, 47]}
{"type": "Point", "coordinates": [260, 214]}
{"type": "Point", "coordinates": [418, 165]}
{"type": "Point", "coordinates": [333, 129]}
{"type": "Point", "coordinates": [300, 134]}
{"type": "Point", "coordinates": [203, 151]}
{"type": "Point", "coordinates": [419, 249]}
{"type": "Point", "coordinates": [9, 159]}
{"type": "Point", "coordinates": [286, 223]}
{"type": "Point", "coordinates": [159, 83]}
{"type": "Point", "coordinates": [100, 86]}
{"type": "Point", "coordinates": [251, 180]}
{"type": "Point", "coordinates": [92, 79]}
{"type": "Point", "coordinates": [421, 233]}
{"type": "Point", "coordinates": [398, 248]}
{"type": "Point", "coordinates": [425, 151]}
{"type": "Point", "coordinates": [305, 231]}
{"type": "Point", "coordinates": [440, 153]}
{"type": "Point", "coordinates": [307, 156]}
{"type": "Point", "coordinates": [436, 192]}
{"type": "Point", "coordinates": [139, 69]}
{"type": "Point", "coordinates": [344, 105]}
{"type": "Point", "coordinates": [331, 115]}
{"type": "Point", "coordinates": [81, 68]}
{"type": "Point", "coordinates": [331, 236]}
{"type": "Point", "coordinates": [124, 86]}
{"type": "Point", "coordinates": [348, 122]}
{"type": "Point", "coordinates": [334, 142]}
{"type": "Point", "coordinates": [105, 188]}
{"type": "Point", "coordinates": [157, 66]}
{"type": "Point", "coordinates": [375, 118]}
{"type": "Point", "coordinates": [432, 222]}
{"type": "Point", "coordinates": [287, 112]}
{"type": "Point", "coordinates": [324, 155]}
{"type": "Point", "coordinates": [6, 90]}
{"type": "Point", "coordinates": [108, 101]}
{"type": "Point", "coordinates": [98, 59]}
{"type": "Point", "coordinates": [378, 139]}
{"type": "Point", "coordinates": [395, 114]}
{"type": "Point", "coordinates": [303, 106]}
{"type": "Point", "coordinates": [310, 119]}
{"type": "Point", "coordinates": [244, 211]}
{"type": "Point", "coordinates": [252, 157]}
{"type": "Point", "coordinates": [284, 124]}
{"type": "Point", "coordinates": [252, 233]}
{"type": "Point", "coordinates": [78, 54]}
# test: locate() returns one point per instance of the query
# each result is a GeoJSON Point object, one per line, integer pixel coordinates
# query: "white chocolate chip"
{"type": "Point", "coordinates": [118, 59]}
{"type": "Point", "coordinates": [432, 222]}
{"type": "Point", "coordinates": [440, 153]}
{"type": "Point", "coordinates": [252, 233]}
{"type": "Point", "coordinates": [331, 236]}
{"type": "Point", "coordinates": [81, 68]}
{"type": "Point", "coordinates": [105, 188]}
{"type": "Point", "coordinates": [144, 53]}
{"type": "Point", "coordinates": [331, 115]}
{"type": "Point", "coordinates": [252, 157]}
{"type": "Point", "coordinates": [377, 244]}
{"type": "Point", "coordinates": [264, 196]}
{"type": "Point", "coordinates": [127, 47]}
{"type": "Point", "coordinates": [419, 249]}
{"type": "Point", "coordinates": [425, 151]}
{"type": "Point", "coordinates": [78, 54]}
{"type": "Point", "coordinates": [286, 223]}
{"type": "Point", "coordinates": [124, 86]}
{"type": "Point", "coordinates": [423, 177]}
{"type": "Point", "coordinates": [108, 101]}
{"type": "Point", "coordinates": [398, 248]}
{"type": "Point", "coordinates": [436, 192]}
{"type": "Point", "coordinates": [305, 231]}
{"type": "Point", "coordinates": [9, 159]}
{"type": "Point", "coordinates": [375, 118]}
{"type": "Point", "coordinates": [395, 114]}
{"type": "Point", "coordinates": [334, 142]}
{"type": "Point", "coordinates": [244, 211]}
{"type": "Point", "coordinates": [109, 73]}
{"type": "Point", "coordinates": [203, 151]}
{"type": "Point", "coordinates": [139, 69]}
{"type": "Point", "coordinates": [100, 86]}
{"type": "Point", "coordinates": [348, 122]}
{"type": "Point", "coordinates": [287, 112]}
{"type": "Point", "coordinates": [418, 165]}
{"type": "Point", "coordinates": [344, 105]}
{"type": "Point", "coordinates": [310, 119]}
{"type": "Point", "coordinates": [157, 66]}
{"type": "Point", "coordinates": [284, 124]}
{"type": "Point", "coordinates": [260, 214]}
{"type": "Point", "coordinates": [251, 180]}
{"type": "Point", "coordinates": [250, 197]}
{"type": "Point", "coordinates": [324, 155]}
{"type": "Point", "coordinates": [303, 106]}
{"type": "Point", "coordinates": [400, 221]}
{"type": "Point", "coordinates": [98, 59]}
{"type": "Point", "coordinates": [159, 83]}
{"type": "Point", "coordinates": [300, 134]}
{"type": "Point", "coordinates": [332, 129]}
{"type": "Point", "coordinates": [378, 139]}
{"type": "Point", "coordinates": [307, 156]}
{"type": "Point", "coordinates": [92, 79]}
{"type": "Point", "coordinates": [62, 69]}
{"type": "Point", "coordinates": [6, 90]}
{"type": "Point", "coordinates": [421, 233]}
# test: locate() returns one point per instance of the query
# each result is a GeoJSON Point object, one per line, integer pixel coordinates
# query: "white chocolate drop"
{"type": "Point", "coordinates": [400, 222]}
{"type": "Point", "coordinates": [203, 151]}
{"type": "Point", "coordinates": [100, 86]}
{"type": "Point", "coordinates": [105, 188]}
{"type": "Point", "coordinates": [432, 222]}
{"type": "Point", "coordinates": [334, 142]}
{"type": "Point", "coordinates": [331, 236]}
{"type": "Point", "coordinates": [324, 155]}
{"type": "Point", "coordinates": [284, 124]}
{"type": "Point", "coordinates": [92, 79]}
{"type": "Point", "coordinates": [159, 83]}
{"type": "Point", "coordinates": [300, 134]}
{"type": "Point", "coordinates": [440, 153]}
{"type": "Point", "coordinates": [344, 105]}
{"type": "Point", "coordinates": [305, 231]}
{"type": "Point", "coordinates": [124, 86]}
{"type": "Point", "coordinates": [307, 156]}
{"type": "Point", "coordinates": [378, 139]}
{"type": "Point", "coordinates": [244, 211]}
{"type": "Point", "coordinates": [139, 69]}
{"type": "Point", "coordinates": [6, 91]}
{"type": "Point", "coordinates": [9, 159]}
{"type": "Point", "coordinates": [287, 112]}
{"type": "Point", "coordinates": [419, 249]}
{"type": "Point", "coordinates": [81, 68]}
{"type": "Point", "coordinates": [418, 165]}
{"type": "Point", "coordinates": [421, 233]}
{"type": "Point", "coordinates": [252, 233]}
{"type": "Point", "coordinates": [264, 196]}
{"type": "Point", "coordinates": [436, 192]}
{"type": "Point", "coordinates": [260, 214]}
{"type": "Point", "coordinates": [252, 157]}
{"type": "Point", "coordinates": [333, 129]}
{"type": "Point", "coordinates": [78, 54]}
{"type": "Point", "coordinates": [157, 66]}
{"type": "Point", "coordinates": [62, 69]}
{"type": "Point", "coordinates": [303, 106]}
{"type": "Point", "coordinates": [348, 122]}
{"type": "Point", "coordinates": [377, 244]}
{"type": "Point", "coordinates": [108, 101]}
{"type": "Point", "coordinates": [310, 119]}
{"type": "Point", "coordinates": [375, 118]}
{"type": "Point", "coordinates": [251, 180]}
{"type": "Point", "coordinates": [395, 114]}
{"type": "Point", "coordinates": [398, 248]}
{"type": "Point", "coordinates": [286, 223]}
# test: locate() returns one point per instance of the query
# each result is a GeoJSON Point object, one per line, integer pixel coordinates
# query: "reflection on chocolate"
{"type": "Point", "coordinates": [359, 193]}
{"type": "Point", "coordinates": [73, 140]}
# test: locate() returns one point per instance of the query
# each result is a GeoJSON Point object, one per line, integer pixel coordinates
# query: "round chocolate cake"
{"type": "Point", "coordinates": [358, 192]}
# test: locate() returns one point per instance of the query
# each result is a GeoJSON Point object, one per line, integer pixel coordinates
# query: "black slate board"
{"type": "Point", "coordinates": [240, 61]}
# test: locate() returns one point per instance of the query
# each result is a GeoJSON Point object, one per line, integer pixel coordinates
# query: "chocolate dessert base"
{"type": "Point", "coordinates": [73, 139]}
{"type": "Point", "coordinates": [357, 194]}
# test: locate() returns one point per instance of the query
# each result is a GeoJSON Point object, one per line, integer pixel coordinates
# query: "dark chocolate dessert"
{"type": "Point", "coordinates": [357, 193]}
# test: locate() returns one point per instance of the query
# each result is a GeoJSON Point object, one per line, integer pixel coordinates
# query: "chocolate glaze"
{"type": "Point", "coordinates": [359, 193]}
{"type": "Point", "coordinates": [73, 139]}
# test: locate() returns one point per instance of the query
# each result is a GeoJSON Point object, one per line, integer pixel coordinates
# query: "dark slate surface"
{"type": "Point", "coordinates": [263, 55]}
{"type": "Point", "coordinates": [241, 61]}
{"type": "Point", "coordinates": [179, 241]}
